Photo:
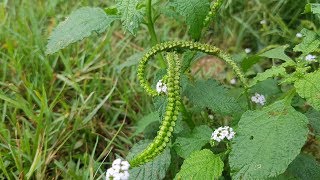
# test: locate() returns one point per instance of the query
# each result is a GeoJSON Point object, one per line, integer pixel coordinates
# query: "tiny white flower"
{"type": "Point", "coordinates": [233, 81]}
{"type": "Point", "coordinates": [161, 87]}
{"type": "Point", "coordinates": [222, 133]}
{"type": "Point", "coordinates": [247, 50]}
{"type": "Point", "coordinates": [116, 162]}
{"type": "Point", "coordinates": [258, 99]}
{"type": "Point", "coordinates": [118, 170]}
{"type": "Point", "coordinates": [125, 165]}
{"type": "Point", "coordinates": [210, 116]}
{"type": "Point", "coordinates": [310, 57]}
{"type": "Point", "coordinates": [263, 21]}
{"type": "Point", "coordinates": [299, 35]}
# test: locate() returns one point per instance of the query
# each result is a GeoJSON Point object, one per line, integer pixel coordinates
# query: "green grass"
{"type": "Point", "coordinates": [70, 114]}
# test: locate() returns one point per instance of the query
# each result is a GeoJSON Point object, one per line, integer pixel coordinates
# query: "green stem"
{"type": "Point", "coordinates": [150, 25]}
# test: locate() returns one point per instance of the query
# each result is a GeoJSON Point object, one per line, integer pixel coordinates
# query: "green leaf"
{"type": "Point", "coordinates": [199, 137]}
{"type": "Point", "coordinates": [194, 11]}
{"type": "Point", "coordinates": [153, 170]}
{"type": "Point", "coordinates": [310, 42]}
{"type": "Point", "coordinates": [305, 167]}
{"type": "Point", "coordinates": [210, 94]}
{"type": "Point", "coordinates": [277, 53]}
{"type": "Point", "coordinates": [308, 87]}
{"type": "Point", "coordinates": [267, 87]}
{"type": "Point", "coordinates": [146, 121]}
{"type": "Point", "coordinates": [314, 120]}
{"type": "Point", "coordinates": [272, 72]}
{"type": "Point", "coordinates": [201, 165]}
{"type": "Point", "coordinates": [131, 17]}
{"type": "Point", "coordinates": [249, 61]}
{"type": "Point", "coordinates": [80, 24]}
{"type": "Point", "coordinates": [267, 141]}
{"type": "Point", "coordinates": [312, 7]}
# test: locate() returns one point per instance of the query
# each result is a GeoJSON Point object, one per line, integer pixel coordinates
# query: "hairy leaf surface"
{"type": "Point", "coordinates": [80, 24]}
{"type": "Point", "coordinates": [308, 87]}
{"type": "Point", "coordinates": [199, 137]}
{"type": "Point", "coordinates": [155, 169]}
{"type": "Point", "coordinates": [210, 94]}
{"type": "Point", "coordinates": [310, 42]}
{"type": "Point", "coordinates": [201, 165]}
{"type": "Point", "coordinates": [131, 17]}
{"type": "Point", "coordinates": [267, 141]}
{"type": "Point", "coordinates": [195, 11]}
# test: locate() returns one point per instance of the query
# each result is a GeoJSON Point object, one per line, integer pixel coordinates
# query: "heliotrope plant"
{"type": "Point", "coordinates": [259, 131]}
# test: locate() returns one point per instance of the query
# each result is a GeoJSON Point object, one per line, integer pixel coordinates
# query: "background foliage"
{"type": "Point", "coordinates": [68, 115]}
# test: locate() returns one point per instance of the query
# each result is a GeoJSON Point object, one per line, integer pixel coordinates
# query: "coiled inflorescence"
{"type": "Point", "coordinates": [180, 45]}
{"type": "Point", "coordinates": [172, 80]}
{"type": "Point", "coordinates": [171, 113]}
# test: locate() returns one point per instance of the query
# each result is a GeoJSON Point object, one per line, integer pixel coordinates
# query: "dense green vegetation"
{"type": "Point", "coordinates": [71, 113]}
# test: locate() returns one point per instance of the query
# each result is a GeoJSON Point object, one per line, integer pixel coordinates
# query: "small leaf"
{"type": "Point", "coordinates": [308, 87]}
{"type": "Point", "coordinates": [277, 53]}
{"type": "Point", "coordinates": [274, 134]}
{"type": "Point", "coordinates": [146, 121]}
{"type": "Point", "coordinates": [312, 7]}
{"type": "Point", "coordinates": [249, 61]}
{"type": "Point", "coordinates": [199, 137]}
{"type": "Point", "coordinates": [310, 42]}
{"type": "Point", "coordinates": [272, 72]}
{"type": "Point", "coordinates": [194, 11]}
{"type": "Point", "coordinates": [201, 165]}
{"type": "Point", "coordinates": [154, 170]}
{"type": "Point", "coordinates": [210, 94]}
{"type": "Point", "coordinates": [80, 24]}
{"type": "Point", "coordinates": [131, 17]}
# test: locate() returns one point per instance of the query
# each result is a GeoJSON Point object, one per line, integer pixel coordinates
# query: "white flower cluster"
{"type": "Point", "coordinates": [118, 171]}
{"type": "Point", "coordinates": [263, 21]}
{"type": "Point", "coordinates": [233, 81]}
{"type": "Point", "coordinates": [247, 50]}
{"type": "Point", "coordinates": [161, 87]}
{"type": "Point", "coordinates": [223, 132]}
{"type": "Point", "coordinates": [258, 99]}
{"type": "Point", "coordinates": [310, 57]}
{"type": "Point", "coordinates": [299, 35]}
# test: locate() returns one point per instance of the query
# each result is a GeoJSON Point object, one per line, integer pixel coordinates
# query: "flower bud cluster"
{"type": "Point", "coordinates": [171, 113]}
{"type": "Point", "coordinates": [118, 171]}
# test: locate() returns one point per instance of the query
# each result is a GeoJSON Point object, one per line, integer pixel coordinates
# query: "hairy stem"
{"type": "Point", "coordinates": [150, 25]}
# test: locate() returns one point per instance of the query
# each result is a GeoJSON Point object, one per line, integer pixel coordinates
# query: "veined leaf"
{"type": "Point", "coordinates": [308, 87]}
{"type": "Point", "coordinates": [210, 94]}
{"type": "Point", "coordinates": [201, 165]}
{"type": "Point", "coordinates": [310, 42]}
{"type": "Point", "coordinates": [131, 17]}
{"type": "Point", "coordinates": [154, 170]}
{"type": "Point", "coordinates": [195, 11]}
{"type": "Point", "coordinates": [272, 72]}
{"type": "Point", "coordinates": [199, 137]}
{"type": "Point", "coordinates": [274, 134]}
{"type": "Point", "coordinates": [277, 53]}
{"type": "Point", "coordinates": [80, 24]}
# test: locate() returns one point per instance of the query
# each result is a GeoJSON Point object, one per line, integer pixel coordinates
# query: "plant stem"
{"type": "Point", "coordinates": [150, 25]}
